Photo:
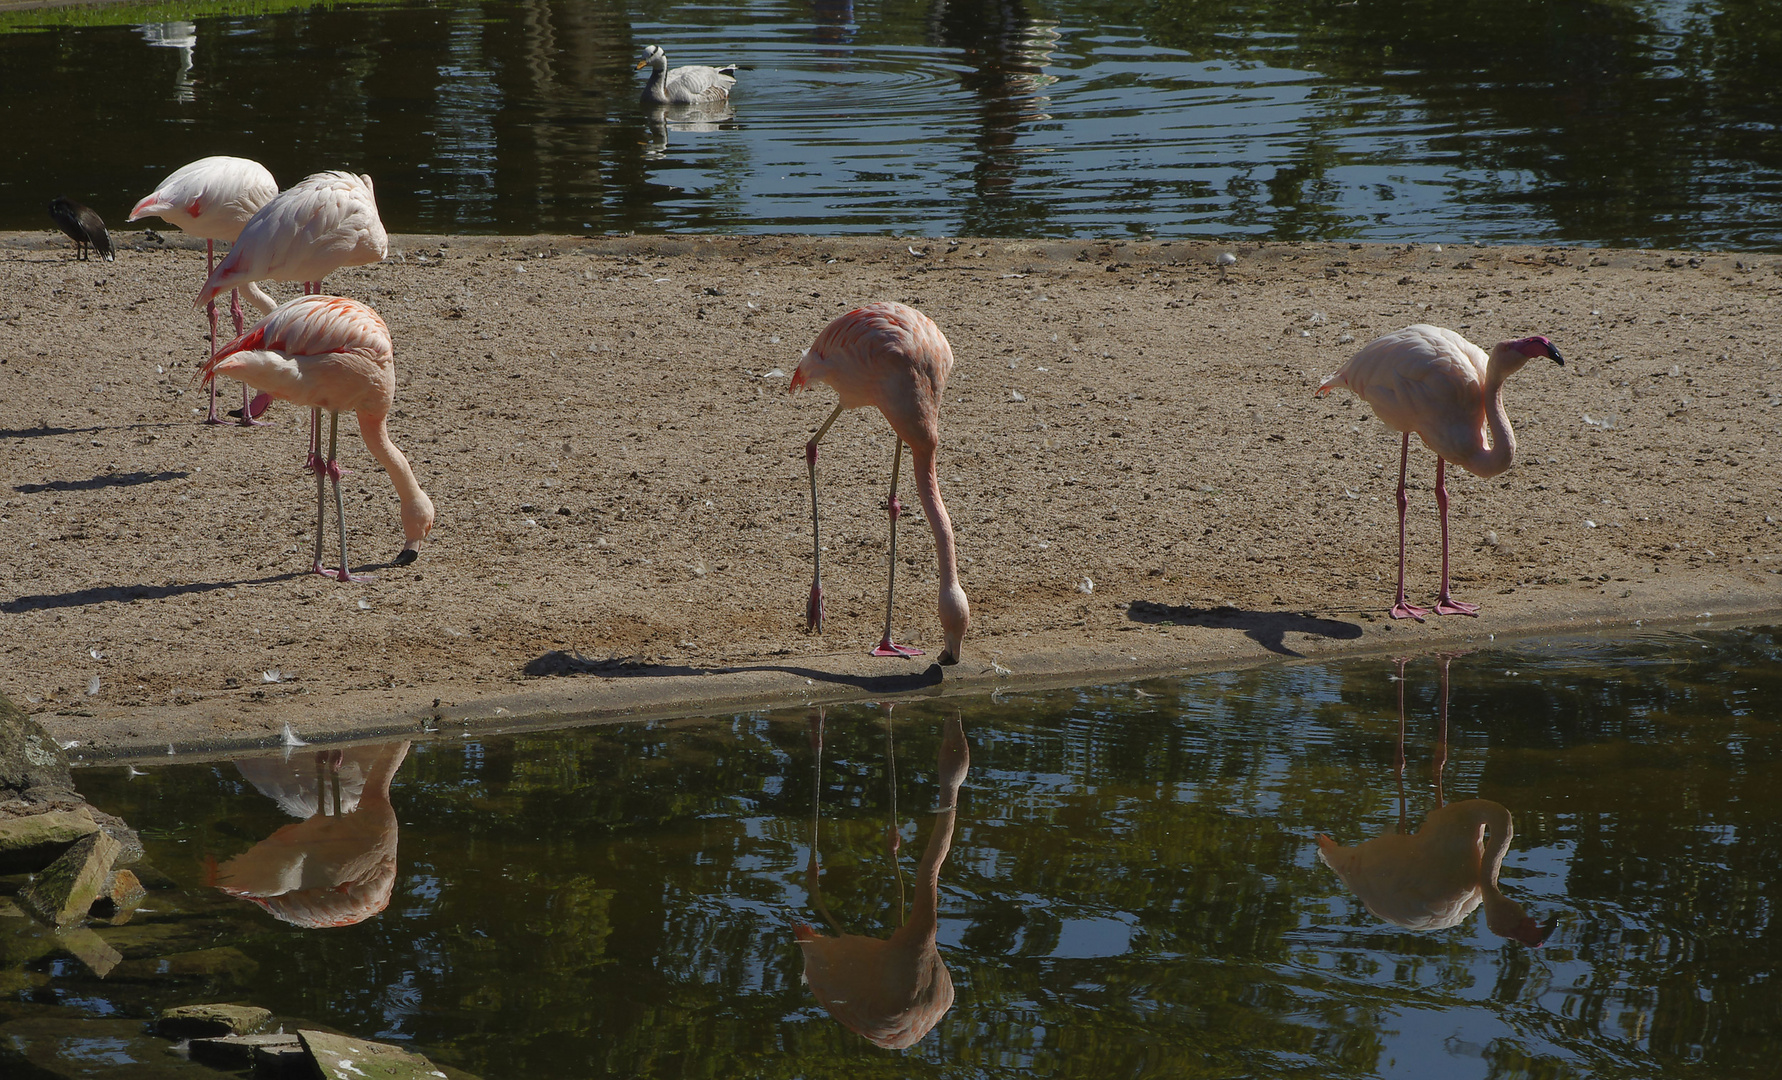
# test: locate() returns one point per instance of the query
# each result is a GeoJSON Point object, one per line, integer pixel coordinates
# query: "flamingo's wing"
{"type": "Point", "coordinates": [327, 221]}
{"type": "Point", "coordinates": [1416, 379]}
{"type": "Point", "coordinates": [212, 197]}
{"type": "Point", "coordinates": [325, 351]}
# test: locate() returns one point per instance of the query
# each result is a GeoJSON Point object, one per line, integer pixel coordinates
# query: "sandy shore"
{"type": "Point", "coordinates": [623, 519]}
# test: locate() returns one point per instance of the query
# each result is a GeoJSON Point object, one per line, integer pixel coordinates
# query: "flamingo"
{"type": "Point", "coordinates": [694, 84]}
{"type": "Point", "coordinates": [328, 352]}
{"type": "Point", "coordinates": [1430, 380]}
{"type": "Point", "coordinates": [890, 991]}
{"type": "Point", "coordinates": [321, 223]}
{"type": "Point", "coordinates": [213, 198]}
{"type": "Point", "coordinates": [83, 226]}
{"type": "Point", "coordinates": [1434, 878]}
{"type": "Point", "coordinates": [894, 357]}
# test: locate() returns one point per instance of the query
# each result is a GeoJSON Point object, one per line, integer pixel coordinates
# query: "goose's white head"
{"type": "Point", "coordinates": [653, 56]}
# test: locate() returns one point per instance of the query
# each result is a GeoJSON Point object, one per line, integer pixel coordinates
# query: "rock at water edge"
{"type": "Point", "coordinates": [67, 887]}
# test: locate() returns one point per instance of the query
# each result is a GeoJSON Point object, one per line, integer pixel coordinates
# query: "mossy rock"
{"type": "Point", "coordinates": [211, 1021]}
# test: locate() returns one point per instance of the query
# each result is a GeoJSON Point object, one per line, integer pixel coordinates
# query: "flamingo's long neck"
{"type": "Point", "coordinates": [1494, 459]}
{"type": "Point", "coordinates": [928, 490]}
{"type": "Point", "coordinates": [1495, 820]}
{"type": "Point", "coordinates": [417, 508]}
{"type": "Point", "coordinates": [955, 611]}
{"type": "Point", "coordinates": [259, 297]}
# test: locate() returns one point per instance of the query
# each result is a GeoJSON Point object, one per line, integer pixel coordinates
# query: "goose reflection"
{"type": "Point", "coordinates": [337, 866]}
{"type": "Point", "coordinates": [1434, 878]}
{"type": "Point", "coordinates": [704, 116]}
{"type": "Point", "coordinates": [890, 991]}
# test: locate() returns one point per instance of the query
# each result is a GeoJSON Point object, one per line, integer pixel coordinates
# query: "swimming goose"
{"type": "Point", "coordinates": [688, 85]}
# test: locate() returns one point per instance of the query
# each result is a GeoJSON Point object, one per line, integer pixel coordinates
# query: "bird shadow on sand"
{"type": "Point", "coordinates": [109, 480]}
{"type": "Point", "coordinates": [42, 430]}
{"type": "Point", "coordinates": [558, 662]}
{"type": "Point", "coordinates": [1267, 628]}
{"type": "Point", "coordinates": [124, 594]}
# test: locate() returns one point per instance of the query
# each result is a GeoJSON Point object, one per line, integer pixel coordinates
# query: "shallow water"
{"type": "Point", "coordinates": [1580, 122]}
{"type": "Point", "coordinates": [1133, 887]}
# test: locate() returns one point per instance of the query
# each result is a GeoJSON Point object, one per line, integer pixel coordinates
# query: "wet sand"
{"type": "Point", "coordinates": [1139, 476]}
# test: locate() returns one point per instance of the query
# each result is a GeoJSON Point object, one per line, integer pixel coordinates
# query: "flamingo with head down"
{"type": "Point", "coordinates": [328, 352]}
{"type": "Point", "coordinates": [893, 357]}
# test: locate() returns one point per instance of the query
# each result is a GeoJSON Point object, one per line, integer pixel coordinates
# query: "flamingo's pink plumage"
{"type": "Point", "coordinates": [1432, 381]}
{"type": "Point", "coordinates": [314, 227]}
{"type": "Point", "coordinates": [328, 352]}
{"type": "Point", "coordinates": [895, 358]}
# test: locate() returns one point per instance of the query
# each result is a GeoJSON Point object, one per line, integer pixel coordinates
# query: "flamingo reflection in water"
{"type": "Point", "coordinates": [1434, 878]}
{"type": "Point", "coordinates": [890, 991]}
{"type": "Point", "coordinates": [337, 866]}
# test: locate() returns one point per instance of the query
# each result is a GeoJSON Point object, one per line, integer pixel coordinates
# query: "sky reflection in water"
{"type": "Point", "coordinates": [1133, 884]}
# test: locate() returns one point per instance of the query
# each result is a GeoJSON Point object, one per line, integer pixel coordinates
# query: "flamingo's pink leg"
{"type": "Point", "coordinates": [314, 465]}
{"type": "Point", "coordinates": [1446, 604]}
{"type": "Point", "coordinates": [334, 473]}
{"type": "Point", "coordinates": [886, 646]}
{"type": "Point", "coordinates": [210, 309]}
{"type": "Point", "coordinates": [813, 608]}
{"type": "Point", "coordinates": [1402, 609]}
{"type": "Point", "coordinates": [252, 405]}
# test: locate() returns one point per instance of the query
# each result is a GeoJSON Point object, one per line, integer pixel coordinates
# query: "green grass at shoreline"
{"type": "Point", "coordinates": [35, 19]}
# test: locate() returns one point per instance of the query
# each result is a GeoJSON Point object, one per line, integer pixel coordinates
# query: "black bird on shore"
{"type": "Point", "coordinates": [82, 225]}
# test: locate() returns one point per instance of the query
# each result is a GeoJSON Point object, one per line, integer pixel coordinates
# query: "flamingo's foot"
{"type": "Point", "coordinates": [213, 418]}
{"type": "Point", "coordinates": [813, 611]}
{"type": "Point", "coordinates": [1404, 610]}
{"type": "Point", "coordinates": [342, 574]}
{"type": "Point", "coordinates": [889, 648]}
{"type": "Point", "coordinates": [1447, 605]}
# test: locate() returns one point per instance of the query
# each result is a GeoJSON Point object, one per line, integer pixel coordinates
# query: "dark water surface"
{"type": "Point", "coordinates": [1133, 888]}
{"type": "Point", "coordinates": [1629, 122]}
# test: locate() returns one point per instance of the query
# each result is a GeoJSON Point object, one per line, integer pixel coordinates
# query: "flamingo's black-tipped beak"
{"type": "Point", "coordinates": [1553, 351]}
{"type": "Point", "coordinates": [404, 557]}
{"type": "Point", "coordinates": [946, 658]}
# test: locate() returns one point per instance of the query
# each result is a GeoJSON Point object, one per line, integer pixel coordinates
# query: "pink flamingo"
{"type": "Point", "coordinates": [316, 226]}
{"type": "Point", "coordinates": [328, 352]}
{"type": "Point", "coordinates": [1449, 391]}
{"type": "Point", "coordinates": [894, 357]}
{"type": "Point", "coordinates": [213, 198]}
